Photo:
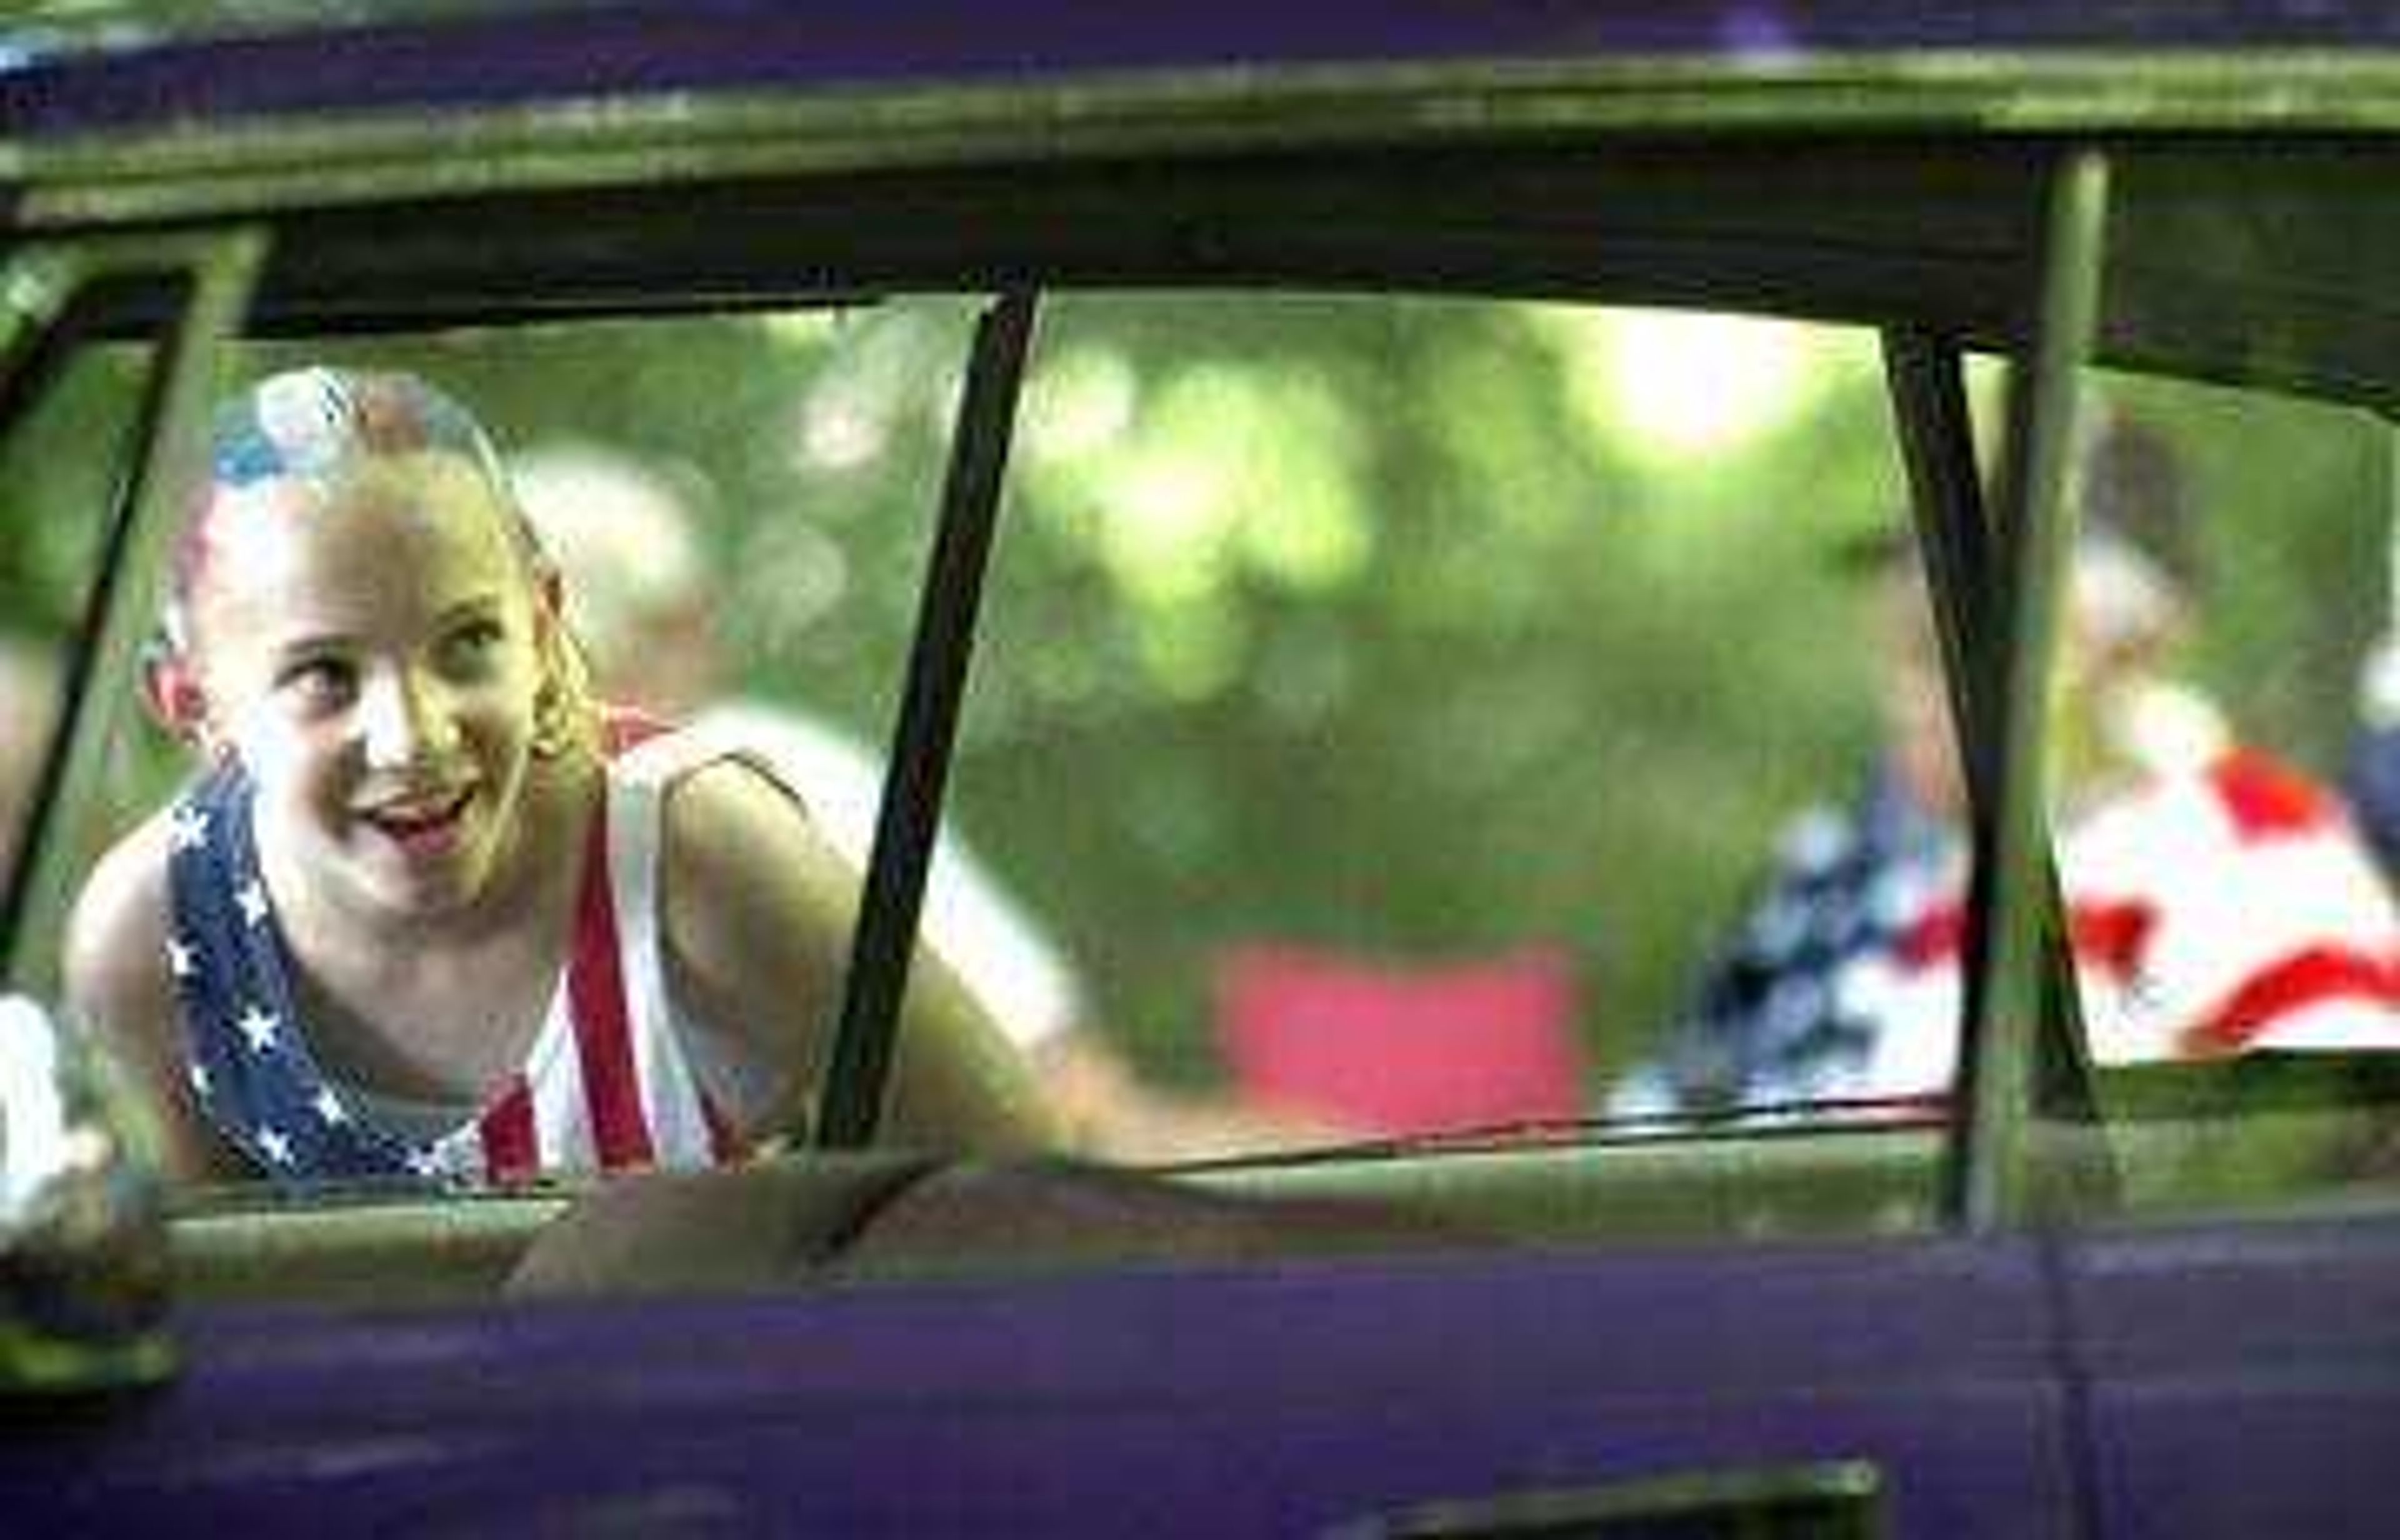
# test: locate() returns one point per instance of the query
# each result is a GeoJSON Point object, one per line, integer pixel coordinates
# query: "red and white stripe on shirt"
{"type": "Point", "coordinates": [608, 1085]}
{"type": "Point", "coordinates": [2220, 910]}
{"type": "Point", "coordinates": [2247, 915]}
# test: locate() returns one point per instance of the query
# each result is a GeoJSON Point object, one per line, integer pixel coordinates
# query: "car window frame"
{"type": "Point", "coordinates": [852, 1095]}
{"type": "Point", "coordinates": [193, 288]}
{"type": "Point", "coordinates": [1980, 303]}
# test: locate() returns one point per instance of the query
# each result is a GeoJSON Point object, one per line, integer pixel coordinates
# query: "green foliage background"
{"type": "Point", "coordinates": [1466, 666]}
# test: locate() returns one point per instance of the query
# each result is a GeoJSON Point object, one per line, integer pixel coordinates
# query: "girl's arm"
{"type": "Point", "coordinates": [118, 983]}
{"type": "Point", "coordinates": [759, 909]}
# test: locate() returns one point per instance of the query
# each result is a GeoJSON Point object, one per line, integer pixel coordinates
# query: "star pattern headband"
{"type": "Point", "coordinates": [307, 422]}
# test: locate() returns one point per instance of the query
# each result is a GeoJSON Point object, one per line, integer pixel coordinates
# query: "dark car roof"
{"type": "Point", "coordinates": [416, 155]}
{"type": "Point", "coordinates": [121, 66]}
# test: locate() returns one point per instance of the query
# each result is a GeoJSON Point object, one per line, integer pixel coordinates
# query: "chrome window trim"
{"type": "Point", "coordinates": [232, 169]}
{"type": "Point", "coordinates": [2008, 997]}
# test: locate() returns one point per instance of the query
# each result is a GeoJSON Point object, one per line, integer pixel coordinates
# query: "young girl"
{"type": "Point", "coordinates": [430, 911]}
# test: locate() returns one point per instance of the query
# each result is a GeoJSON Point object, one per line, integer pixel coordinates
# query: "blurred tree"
{"type": "Point", "coordinates": [1408, 626]}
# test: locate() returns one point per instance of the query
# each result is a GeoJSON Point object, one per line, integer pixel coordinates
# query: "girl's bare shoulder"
{"type": "Point", "coordinates": [116, 936]}
{"type": "Point", "coordinates": [119, 980]}
{"type": "Point", "coordinates": [722, 809]}
{"type": "Point", "coordinates": [748, 876]}
{"type": "Point", "coordinates": [735, 835]}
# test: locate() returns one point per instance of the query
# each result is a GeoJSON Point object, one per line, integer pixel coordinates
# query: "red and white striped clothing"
{"type": "Point", "coordinates": [2220, 909]}
{"type": "Point", "coordinates": [608, 1085]}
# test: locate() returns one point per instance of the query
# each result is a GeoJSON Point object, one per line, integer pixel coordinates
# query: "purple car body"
{"type": "Point", "coordinates": [2033, 1375]}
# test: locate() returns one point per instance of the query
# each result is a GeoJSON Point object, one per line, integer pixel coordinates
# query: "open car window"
{"type": "Point", "coordinates": [1446, 679]}
{"type": "Point", "coordinates": [1468, 703]}
{"type": "Point", "coordinates": [1411, 733]}
{"type": "Point", "coordinates": [2215, 749]}
{"type": "Point", "coordinates": [2218, 721]}
{"type": "Point", "coordinates": [102, 363]}
{"type": "Point", "coordinates": [71, 453]}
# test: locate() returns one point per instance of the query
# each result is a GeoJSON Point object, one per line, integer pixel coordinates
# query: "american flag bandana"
{"type": "Point", "coordinates": [249, 1067]}
{"type": "Point", "coordinates": [307, 422]}
{"type": "Point", "coordinates": [606, 1086]}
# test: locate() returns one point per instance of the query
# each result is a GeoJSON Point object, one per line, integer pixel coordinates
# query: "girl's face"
{"type": "Point", "coordinates": [371, 649]}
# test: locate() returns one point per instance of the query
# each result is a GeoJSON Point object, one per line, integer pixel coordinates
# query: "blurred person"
{"type": "Point", "coordinates": [2218, 900]}
{"type": "Point", "coordinates": [2371, 777]}
{"type": "Point", "coordinates": [639, 592]}
{"type": "Point", "coordinates": [28, 705]}
{"type": "Point", "coordinates": [429, 909]}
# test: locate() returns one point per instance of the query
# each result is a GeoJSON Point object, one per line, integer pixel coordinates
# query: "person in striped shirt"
{"type": "Point", "coordinates": [430, 911]}
{"type": "Point", "coordinates": [2218, 900]}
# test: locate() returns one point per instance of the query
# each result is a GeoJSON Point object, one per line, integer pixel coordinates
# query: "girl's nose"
{"type": "Point", "coordinates": [403, 720]}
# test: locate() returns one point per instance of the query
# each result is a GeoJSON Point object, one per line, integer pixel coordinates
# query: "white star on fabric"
{"type": "Point", "coordinates": [277, 1148]}
{"type": "Point", "coordinates": [199, 1075]}
{"type": "Point", "coordinates": [257, 1028]}
{"type": "Point", "coordinates": [329, 1108]}
{"type": "Point", "coordinates": [187, 829]}
{"type": "Point", "coordinates": [424, 1163]}
{"type": "Point", "coordinates": [252, 899]}
{"type": "Point", "coordinates": [1818, 839]}
{"type": "Point", "coordinates": [179, 959]}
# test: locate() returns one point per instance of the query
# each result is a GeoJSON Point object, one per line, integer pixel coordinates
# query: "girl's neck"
{"type": "Point", "coordinates": [443, 1007]}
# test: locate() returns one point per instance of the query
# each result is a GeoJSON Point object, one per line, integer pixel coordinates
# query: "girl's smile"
{"type": "Point", "coordinates": [426, 830]}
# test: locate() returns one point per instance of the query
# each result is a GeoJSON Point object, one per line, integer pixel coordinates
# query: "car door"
{"type": "Point", "coordinates": [1697, 1376]}
{"type": "Point", "coordinates": [1720, 1363]}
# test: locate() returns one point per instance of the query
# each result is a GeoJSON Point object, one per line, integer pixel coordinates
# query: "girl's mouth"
{"type": "Point", "coordinates": [424, 829]}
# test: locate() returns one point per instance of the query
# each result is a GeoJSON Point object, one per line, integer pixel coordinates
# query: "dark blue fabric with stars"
{"type": "Point", "coordinates": [1770, 1022]}
{"type": "Point", "coordinates": [248, 1060]}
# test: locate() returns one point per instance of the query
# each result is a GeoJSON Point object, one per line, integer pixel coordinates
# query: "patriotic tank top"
{"type": "Point", "coordinates": [608, 1086]}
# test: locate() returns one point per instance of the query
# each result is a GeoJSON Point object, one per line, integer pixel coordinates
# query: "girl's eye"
{"type": "Point", "coordinates": [470, 648]}
{"type": "Point", "coordinates": [319, 682]}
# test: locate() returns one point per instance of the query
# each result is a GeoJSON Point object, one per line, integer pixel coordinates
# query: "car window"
{"type": "Point", "coordinates": [2212, 729]}
{"type": "Point", "coordinates": [2218, 714]}
{"type": "Point", "coordinates": [1471, 712]}
{"type": "Point", "coordinates": [63, 469]}
{"type": "Point", "coordinates": [72, 457]}
{"type": "Point", "coordinates": [1470, 703]}
{"type": "Point", "coordinates": [829, 593]}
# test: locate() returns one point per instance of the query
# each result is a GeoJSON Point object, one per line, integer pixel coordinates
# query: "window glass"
{"type": "Point", "coordinates": [1394, 719]}
{"type": "Point", "coordinates": [2219, 714]}
{"type": "Point", "coordinates": [63, 466]}
{"type": "Point", "coordinates": [1473, 716]}
{"type": "Point", "coordinates": [2214, 720]}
